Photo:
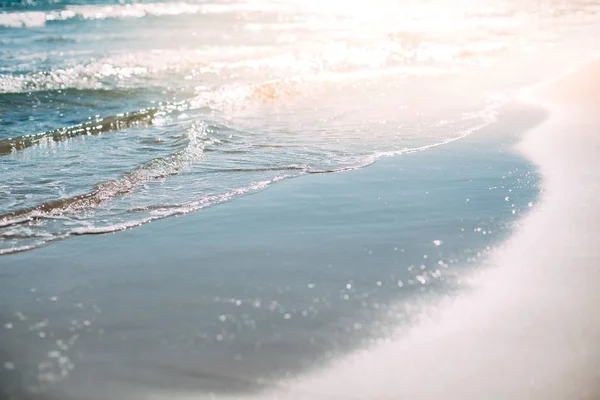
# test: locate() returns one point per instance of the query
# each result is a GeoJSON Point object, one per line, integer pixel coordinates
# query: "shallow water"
{"type": "Point", "coordinates": [116, 114]}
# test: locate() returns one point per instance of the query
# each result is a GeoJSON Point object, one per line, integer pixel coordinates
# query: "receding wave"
{"type": "Point", "coordinates": [95, 127]}
{"type": "Point", "coordinates": [159, 212]}
{"type": "Point", "coordinates": [157, 168]}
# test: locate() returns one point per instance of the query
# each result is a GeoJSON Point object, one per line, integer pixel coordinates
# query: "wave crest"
{"type": "Point", "coordinates": [32, 19]}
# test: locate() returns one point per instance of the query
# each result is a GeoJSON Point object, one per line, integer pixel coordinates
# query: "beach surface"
{"type": "Point", "coordinates": [530, 329]}
{"type": "Point", "coordinates": [242, 296]}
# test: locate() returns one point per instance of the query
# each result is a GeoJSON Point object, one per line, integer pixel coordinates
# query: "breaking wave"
{"type": "Point", "coordinates": [32, 19]}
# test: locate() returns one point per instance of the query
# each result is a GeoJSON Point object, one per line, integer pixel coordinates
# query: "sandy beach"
{"type": "Point", "coordinates": [529, 330]}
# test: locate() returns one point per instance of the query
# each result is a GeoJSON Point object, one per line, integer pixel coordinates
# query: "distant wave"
{"type": "Point", "coordinates": [85, 76]}
{"type": "Point", "coordinates": [31, 19]}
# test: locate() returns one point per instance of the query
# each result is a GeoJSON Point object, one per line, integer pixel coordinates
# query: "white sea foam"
{"type": "Point", "coordinates": [22, 19]}
{"type": "Point", "coordinates": [30, 19]}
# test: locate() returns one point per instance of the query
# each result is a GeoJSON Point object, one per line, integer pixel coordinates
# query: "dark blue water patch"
{"type": "Point", "coordinates": [37, 112]}
{"type": "Point", "coordinates": [273, 283]}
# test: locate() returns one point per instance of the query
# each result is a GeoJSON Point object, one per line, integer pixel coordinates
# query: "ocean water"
{"type": "Point", "coordinates": [383, 132]}
{"type": "Point", "coordinates": [114, 114]}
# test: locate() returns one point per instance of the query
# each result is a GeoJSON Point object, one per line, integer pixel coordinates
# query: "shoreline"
{"type": "Point", "coordinates": [303, 240]}
{"type": "Point", "coordinates": [529, 330]}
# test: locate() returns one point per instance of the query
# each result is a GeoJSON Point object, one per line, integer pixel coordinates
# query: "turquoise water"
{"type": "Point", "coordinates": [395, 118]}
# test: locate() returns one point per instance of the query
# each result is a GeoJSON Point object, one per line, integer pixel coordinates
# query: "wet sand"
{"type": "Point", "coordinates": [531, 329]}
